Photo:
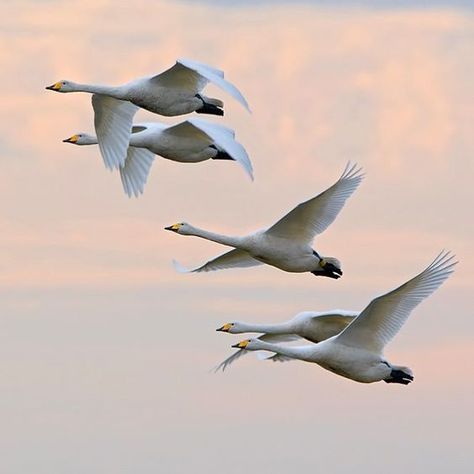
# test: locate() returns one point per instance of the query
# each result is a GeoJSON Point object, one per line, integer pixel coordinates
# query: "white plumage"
{"type": "Point", "coordinates": [176, 91]}
{"type": "Point", "coordinates": [357, 352]}
{"type": "Point", "coordinates": [310, 325]}
{"type": "Point", "coordinates": [287, 244]}
{"type": "Point", "coordinates": [191, 141]}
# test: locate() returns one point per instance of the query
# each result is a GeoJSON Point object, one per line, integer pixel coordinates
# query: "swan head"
{"type": "Point", "coordinates": [249, 345]}
{"type": "Point", "coordinates": [329, 267]}
{"type": "Point", "coordinates": [62, 86]}
{"type": "Point", "coordinates": [232, 328]}
{"type": "Point", "coordinates": [81, 139]}
{"type": "Point", "coordinates": [180, 228]}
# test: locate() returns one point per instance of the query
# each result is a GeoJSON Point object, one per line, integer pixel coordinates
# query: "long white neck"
{"type": "Point", "coordinates": [140, 140]}
{"type": "Point", "coordinates": [279, 328]}
{"type": "Point", "coordinates": [294, 352]}
{"type": "Point", "coordinates": [117, 91]}
{"type": "Point", "coordinates": [236, 242]}
{"type": "Point", "coordinates": [87, 140]}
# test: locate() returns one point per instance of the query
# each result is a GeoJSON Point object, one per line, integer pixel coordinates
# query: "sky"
{"type": "Point", "coordinates": [107, 351]}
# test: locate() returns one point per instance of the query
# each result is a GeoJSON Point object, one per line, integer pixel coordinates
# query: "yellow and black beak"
{"type": "Point", "coordinates": [242, 344]}
{"type": "Point", "coordinates": [225, 328]}
{"type": "Point", "coordinates": [72, 139]}
{"type": "Point", "coordinates": [173, 228]}
{"type": "Point", "coordinates": [55, 87]}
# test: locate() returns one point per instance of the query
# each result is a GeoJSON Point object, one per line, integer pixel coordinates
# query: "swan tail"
{"type": "Point", "coordinates": [402, 375]}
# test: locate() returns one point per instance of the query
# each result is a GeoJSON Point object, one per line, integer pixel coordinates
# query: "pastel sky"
{"type": "Point", "coordinates": [106, 350]}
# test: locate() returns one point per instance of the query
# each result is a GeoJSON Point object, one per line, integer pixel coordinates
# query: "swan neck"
{"type": "Point", "coordinates": [219, 238]}
{"type": "Point", "coordinates": [280, 328]}
{"type": "Point", "coordinates": [100, 89]}
{"type": "Point", "coordinates": [295, 352]}
{"type": "Point", "coordinates": [139, 140]}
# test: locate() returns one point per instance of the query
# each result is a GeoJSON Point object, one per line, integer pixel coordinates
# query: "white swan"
{"type": "Point", "coordinates": [287, 244]}
{"type": "Point", "coordinates": [191, 141]}
{"type": "Point", "coordinates": [176, 91]}
{"type": "Point", "coordinates": [311, 325]}
{"type": "Point", "coordinates": [357, 352]}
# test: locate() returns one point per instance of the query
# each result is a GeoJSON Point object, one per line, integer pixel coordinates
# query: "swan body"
{"type": "Point", "coordinates": [286, 245]}
{"type": "Point", "coordinates": [176, 91]}
{"type": "Point", "coordinates": [357, 352]}
{"type": "Point", "coordinates": [191, 141]}
{"type": "Point", "coordinates": [310, 325]}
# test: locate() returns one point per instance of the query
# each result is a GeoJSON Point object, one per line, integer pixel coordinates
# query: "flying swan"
{"type": "Point", "coordinates": [287, 244]}
{"type": "Point", "coordinates": [191, 141]}
{"type": "Point", "coordinates": [357, 352]}
{"type": "Point", "coordinates": [176, 91]}
{"type": "Point", "coordinates": [310, 325]}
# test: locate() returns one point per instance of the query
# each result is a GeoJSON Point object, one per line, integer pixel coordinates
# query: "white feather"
{"type": "Point", "coordinates": [113, 124]}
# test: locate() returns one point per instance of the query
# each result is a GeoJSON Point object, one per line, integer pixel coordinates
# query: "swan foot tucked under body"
{"type": "Point", "coordinates": [329, 270]}
{"type": "Point", "coordinates": [208, 108]}
{"type": "Point", "coordinates": [221, 155]}
{"type": "Point", "coordinates": [400, 376]}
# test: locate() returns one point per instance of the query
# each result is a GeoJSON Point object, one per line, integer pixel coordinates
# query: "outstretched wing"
{"type": "Point", "coordinates": [186, 130]}
{"type": "Point", "coordinates": [277, 358]}
{"type": "Point", "coordinates": [329, 325]}
{"type": "Point", "coordinates": [267, 338]}
{"type": "Point", "coordinates": [134, 173]}
{"type": "Point", "coordinates": [193, 76]}
{"type": "Point", "coordinates": [234, 259]}
{"type": "Point", "coordinates": [313, 217]}
{"type": "Point", "coordinates": [113, 126]}
{"type": "Point", "coordinates": [386, 314]}
{"type": "Point", "coordinates": [224, 139]}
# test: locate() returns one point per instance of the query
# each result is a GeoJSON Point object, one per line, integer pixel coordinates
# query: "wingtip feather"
{"type": "Point", "coordinates": [180, 268]}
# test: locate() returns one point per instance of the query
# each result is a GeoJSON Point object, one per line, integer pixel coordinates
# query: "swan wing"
{"type": "Point", "coordinates": [135, 171]}
{"type": "Point", "coordinates": [216, 126]}
{"type": "Point", "coordinates": [234, 259]}
{"type": "Point", "coordinates": [194, 76]}
{"type": "Point", "coordinates": [197, 128]}
{"type": "Point", "coordinates": [329, 325]}
{"type": "Point", "coordinates": [224, 139]}
{"type": "Point", "coordinates": [113, 126]}
{"type": "Point", "coordinates": [277, 358]}
{"type": "Point", "coordinates": [186, 130]}
{"type": "Point", "coordinates": [265, 337]}
{"type": "Point", "coordinates": [380, 321]}
{"type": "Point", "coordinates": [314, 216]}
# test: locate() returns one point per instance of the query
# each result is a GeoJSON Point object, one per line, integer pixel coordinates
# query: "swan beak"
{"type": "Point", "coordinates": [225, 328]}
{"type": "Point", "coordinates": [174, 227]}
{"type": "Point", "coordinates": [72, 139]}
{"type": "Point", "coordinates": [242, 344]}
{"type": "Point", "coordinates": [54, 87]}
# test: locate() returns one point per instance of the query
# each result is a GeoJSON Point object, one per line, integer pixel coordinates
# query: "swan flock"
{"type": "Point", "coordinates": [347, 343]}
